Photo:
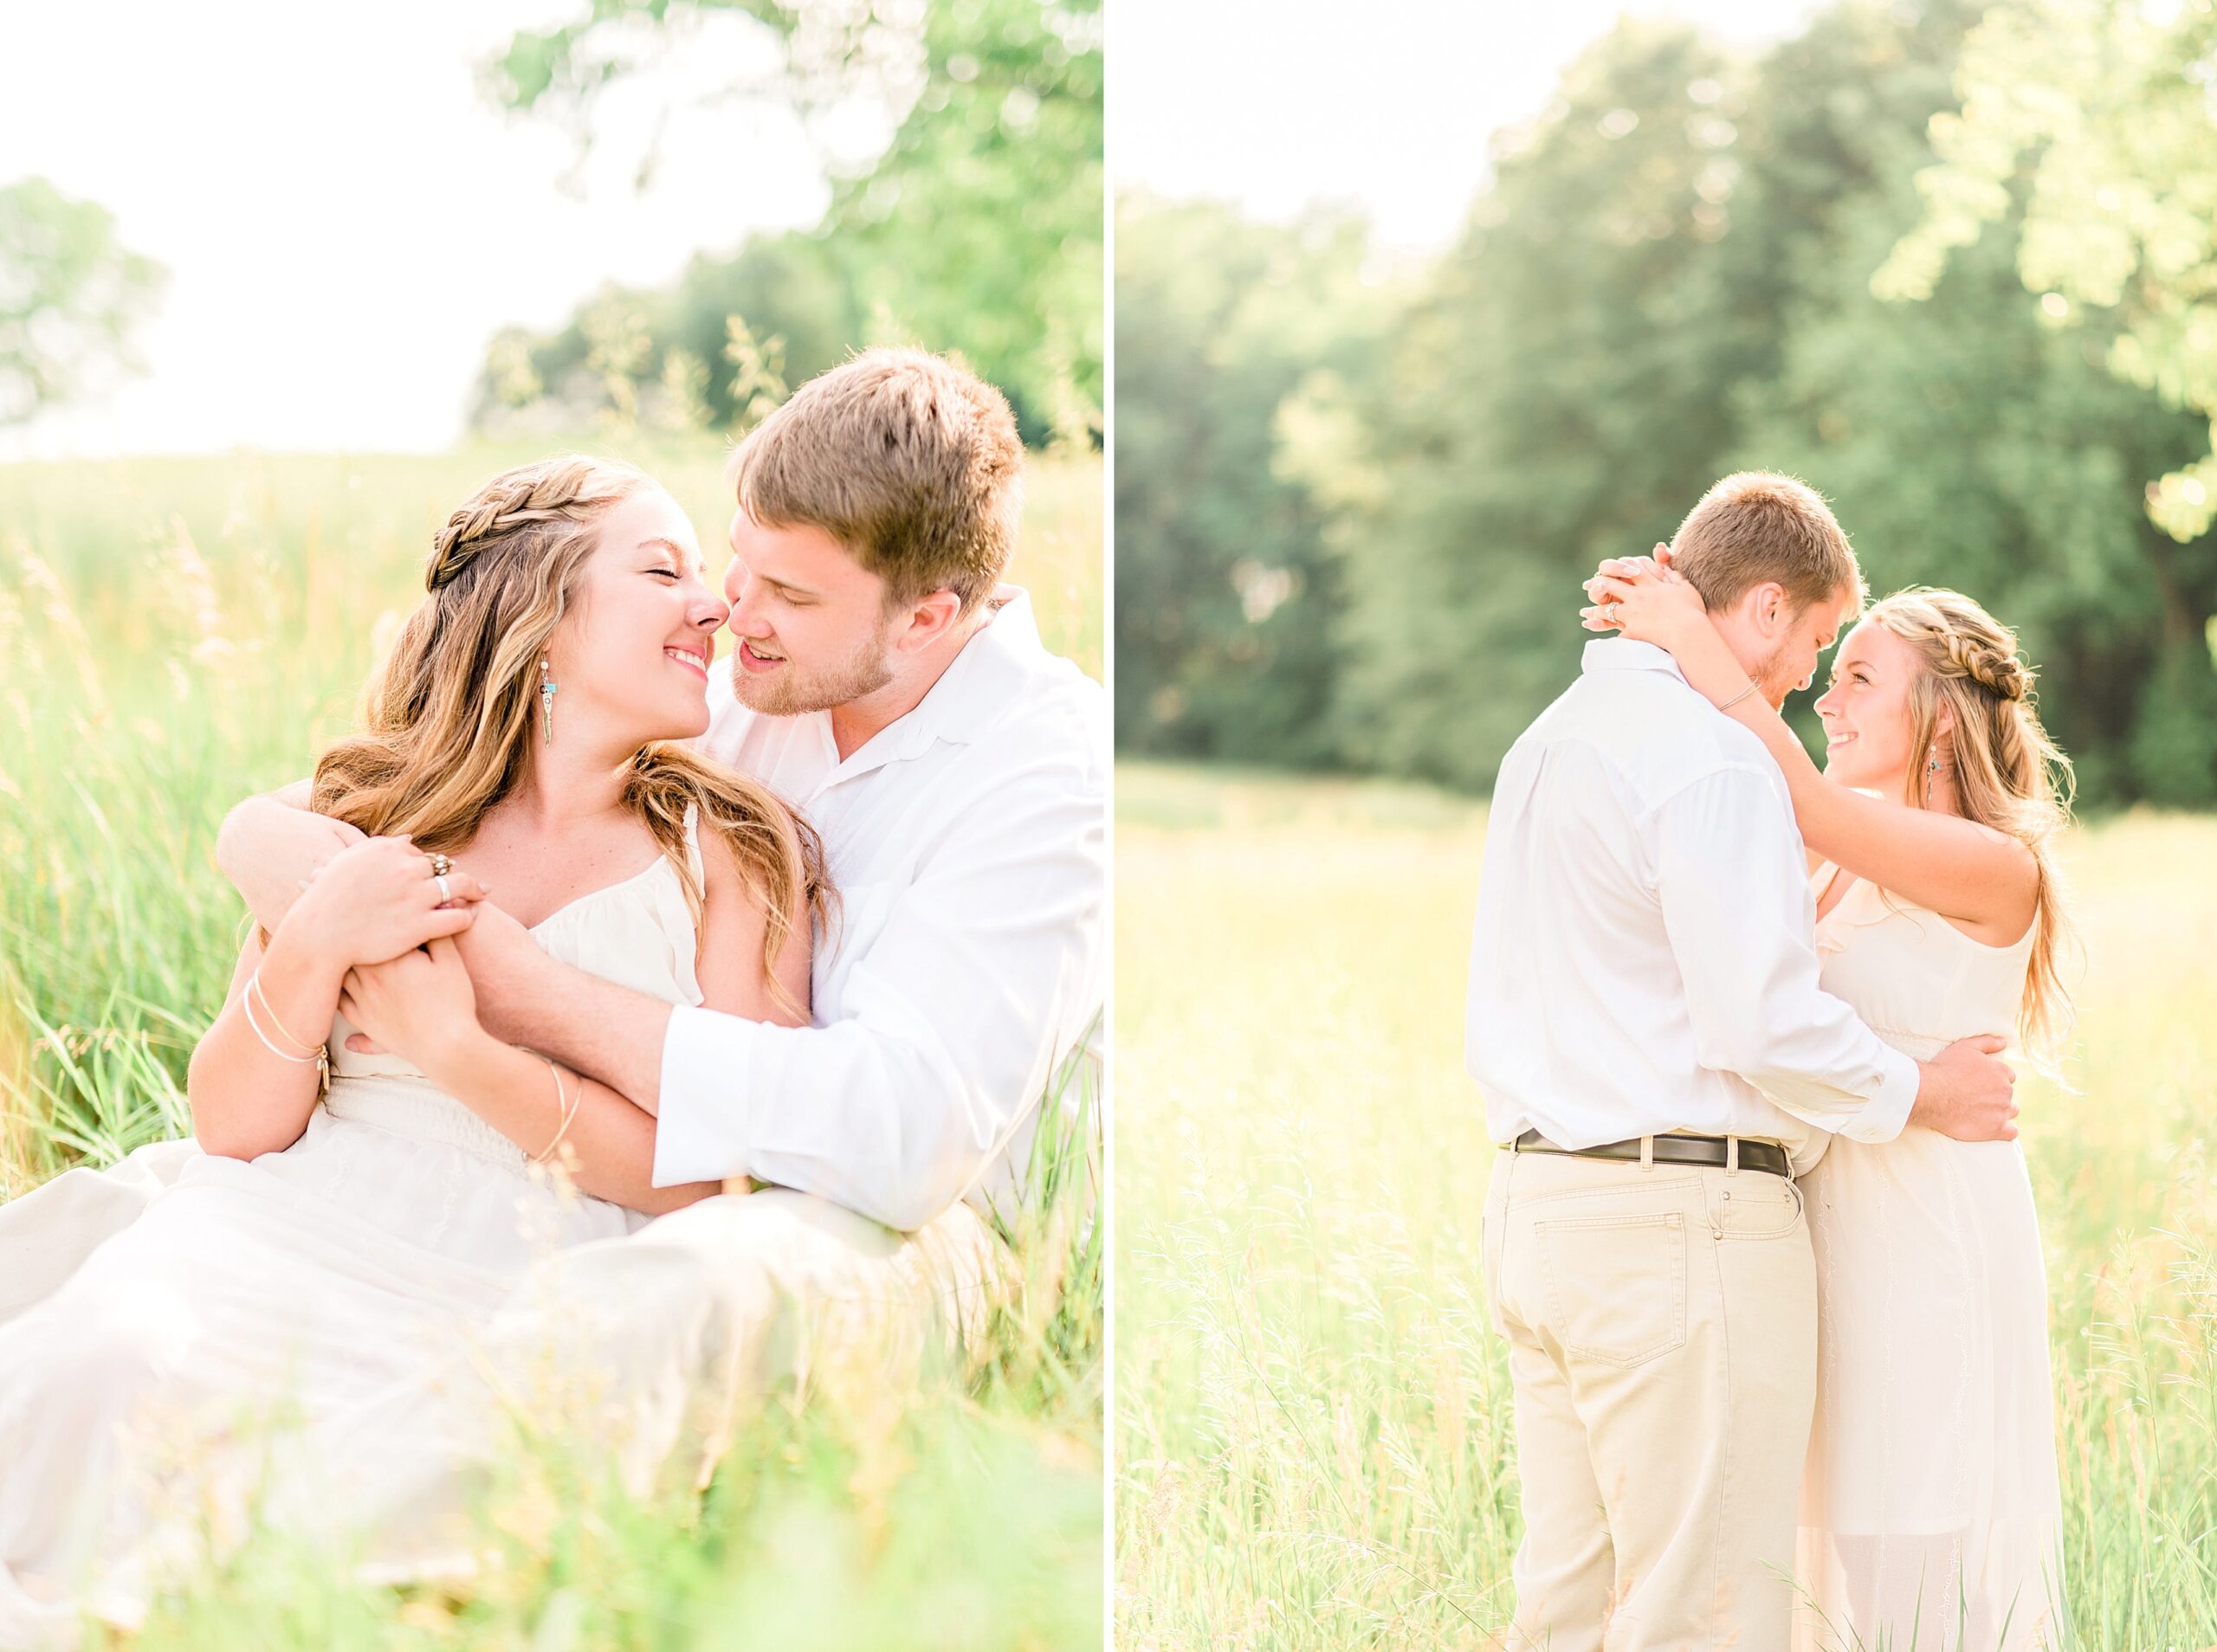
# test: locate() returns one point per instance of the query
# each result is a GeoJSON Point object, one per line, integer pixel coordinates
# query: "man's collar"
{"type": "Point", "coordinates": [984, 676]}
{"type": "Point", "coordinates": [1622, 654]}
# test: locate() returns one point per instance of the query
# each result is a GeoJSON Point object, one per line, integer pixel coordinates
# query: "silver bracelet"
{"type": "Point", "coordinates": [563, 1104]}
{"type": "Point", "coordinates": [246, 1000]}
{"type": "Point", "coordinates": [253, 985]}
{"type": "Point", "coordinates": [1737, 698]}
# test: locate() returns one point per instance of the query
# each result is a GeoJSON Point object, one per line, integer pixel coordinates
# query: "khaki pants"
{"type": "Point", "coordinates": [1662, 1328]}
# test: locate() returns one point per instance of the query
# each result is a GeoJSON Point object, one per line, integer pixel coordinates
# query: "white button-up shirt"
{"type": "Point", "coordinates": [966, 841]}
{"type": "Point", "coordinates": [1643, 959]}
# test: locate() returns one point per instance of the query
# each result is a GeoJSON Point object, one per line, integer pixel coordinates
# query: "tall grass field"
{"type": "Point", "coordinates": [176, 634]}
{"type": "Point", "coordinates": [1314, 1445]}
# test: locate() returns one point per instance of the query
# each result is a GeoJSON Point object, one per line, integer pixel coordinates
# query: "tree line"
{"type": "Point", "coordinates": [1353, 504]}
{"type": "Point", "coordinates": [978, 231]}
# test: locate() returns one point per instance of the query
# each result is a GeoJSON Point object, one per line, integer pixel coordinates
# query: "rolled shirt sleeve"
{"type": "Point", "coordinates": [979, 974]}
{"type": "Point", "coordinates": [1737, 909]}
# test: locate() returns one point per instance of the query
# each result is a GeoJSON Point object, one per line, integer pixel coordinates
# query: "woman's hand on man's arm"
{"type": "Point", "coordinates": [378, 900]}
{"type": "Point", "coordinates": [270, 846]}
{"type": "Point", "coordinates": [274, 850]}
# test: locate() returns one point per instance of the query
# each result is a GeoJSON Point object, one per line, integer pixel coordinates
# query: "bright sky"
{"type": "Point", "coordinates": [345, 218]}
{"type": "Point", "coordinates": [1276, 104]}
{"type": "Point", "coordinates": [347, 221]}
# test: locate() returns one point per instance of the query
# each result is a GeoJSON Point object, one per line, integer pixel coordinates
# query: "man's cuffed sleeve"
{"type": "Point", "coordinates": [701, 1132]}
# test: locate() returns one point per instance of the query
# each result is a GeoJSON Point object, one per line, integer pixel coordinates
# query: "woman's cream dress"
{"type": "Point", "coordinates": [275, 1327]}
{"type": "Point", "coordinates": [1930, 1508]}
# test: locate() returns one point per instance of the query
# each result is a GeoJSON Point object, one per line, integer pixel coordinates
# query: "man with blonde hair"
{"type": "Point", "coordinates": [1658, 1063]}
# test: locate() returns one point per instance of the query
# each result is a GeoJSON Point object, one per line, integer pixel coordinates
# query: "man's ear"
{"type": "Point", "coordinates": [1761, 607]}
{"type": "Point", "coordinates": [930, 617]}
{"type": "Point", "coordinates": [1769, 608]}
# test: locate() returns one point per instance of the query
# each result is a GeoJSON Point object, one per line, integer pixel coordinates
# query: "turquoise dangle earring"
{"type": "Point", "coordinates": [546, 687]}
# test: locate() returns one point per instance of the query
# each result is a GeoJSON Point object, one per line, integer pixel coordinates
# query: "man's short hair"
{"type": "Point", "coordinates": [1755, 526]}
{"type": "Point", "coordinates": [909, 462]}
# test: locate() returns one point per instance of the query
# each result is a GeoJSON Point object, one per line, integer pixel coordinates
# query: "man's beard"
{"type": "Point", "coordinates": [1770, 681]}
{"type": "Point", "coordinates": [790, 692]}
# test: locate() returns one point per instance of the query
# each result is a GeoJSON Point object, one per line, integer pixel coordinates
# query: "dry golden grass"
{"type": "Point", "coordinates": [1314, 1448]}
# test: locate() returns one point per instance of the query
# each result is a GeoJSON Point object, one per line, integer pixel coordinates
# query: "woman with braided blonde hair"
{"type": "Point", "coordinates": [361, 1207]}
{"type": "Point", "coordinates": [1930, 1511]}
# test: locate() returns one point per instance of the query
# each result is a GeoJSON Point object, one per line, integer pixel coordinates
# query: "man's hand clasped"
{"type": "Point", "coordinates": [1968, 1092]}
{"type": "Point", "coordinates": [416, 1005]}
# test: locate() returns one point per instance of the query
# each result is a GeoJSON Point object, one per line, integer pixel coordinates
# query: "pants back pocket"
{"type": "Point", "coordinates": [1616, 1284]}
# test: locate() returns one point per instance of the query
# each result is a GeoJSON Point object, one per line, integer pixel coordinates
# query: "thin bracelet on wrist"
{"type": "Point", "coordinates": [321, 1056]}
{"type": "Point", "coordinates": [253, 985]}
{"type": "Point", "coordinates": [565, 1105]}
{"type": "Point", "coordinates": [1737, 698]}
{"type": "Point", "coordinates": [246, 1002]}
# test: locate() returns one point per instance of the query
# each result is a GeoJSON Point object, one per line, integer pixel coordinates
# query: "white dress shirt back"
{"type": "Point", "coordinates": [966, 841]}
{"type": "Point", "coordinates": [1644, 957]}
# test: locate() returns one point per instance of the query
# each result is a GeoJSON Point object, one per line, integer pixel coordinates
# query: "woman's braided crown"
{"type": "Point", "coordinates": [1961, 639]}
{"type": "Point", "coordinates": [1986, 662]}
{"type": "Point", "coordinates": [567, 489]}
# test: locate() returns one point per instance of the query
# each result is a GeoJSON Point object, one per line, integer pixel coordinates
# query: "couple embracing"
{"type": "Point", "coordinates": [1760, 1237]}
{"type": "Point", "coordinates": [578, 930]}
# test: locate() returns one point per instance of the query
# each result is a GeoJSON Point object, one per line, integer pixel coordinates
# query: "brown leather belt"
{"type": "Point", "coordinates": [1765, 1156]}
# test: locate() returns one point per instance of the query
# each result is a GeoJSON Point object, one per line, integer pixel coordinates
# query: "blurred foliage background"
{"type": "Point", "coordinates": [71, 295]}
{"type": "Point", "coordinates": [1952, 265]}
{"type": "Point", "coordinates": [977, 231]}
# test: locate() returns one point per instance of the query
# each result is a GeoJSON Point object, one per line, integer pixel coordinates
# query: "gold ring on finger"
{"type": "Point", "coordinates": [441, 865]}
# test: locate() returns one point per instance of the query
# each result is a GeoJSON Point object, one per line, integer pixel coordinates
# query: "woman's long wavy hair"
{"type": "Point", "coordinates": [448, 719]}
{"type": "Point", "coordinates": [2008, 773]}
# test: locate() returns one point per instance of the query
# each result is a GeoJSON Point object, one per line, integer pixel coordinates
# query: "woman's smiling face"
{"type": "Point", "coordinates": [1869, 726]}
{"type": "Point", "coordinates": [636, 645]}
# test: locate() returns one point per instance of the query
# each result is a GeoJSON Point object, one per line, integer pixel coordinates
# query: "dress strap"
{"type": "Point", "coordinates": [693, 845]}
